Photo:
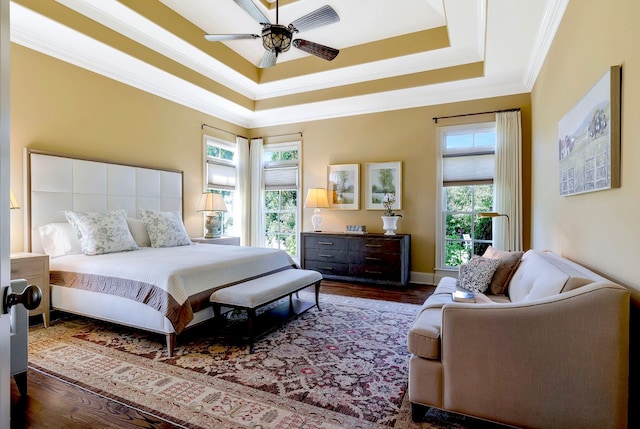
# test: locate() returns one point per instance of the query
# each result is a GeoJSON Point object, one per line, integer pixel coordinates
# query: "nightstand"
{"type": "Point", "coordinates": [35, 269]}
{"type": "Point", "coordinates": [226, 240]}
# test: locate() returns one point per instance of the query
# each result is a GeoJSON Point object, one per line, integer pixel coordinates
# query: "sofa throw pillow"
{"type": "Point", "coordinates": [165, 229]}
{"type": "Point", "coordinates": [509, 262]}
{"type": "Point", "coordinates": [101, 233]}
{"type": "Point", "coordinates": [476, 274]}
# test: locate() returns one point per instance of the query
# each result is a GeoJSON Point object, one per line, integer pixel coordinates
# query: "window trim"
{"type": "Point", "coordinates": [442, 132]}
{"type": "Point", "coordinates": [284, 146]}
{"type": "Point", "coordinates": [227, 145]}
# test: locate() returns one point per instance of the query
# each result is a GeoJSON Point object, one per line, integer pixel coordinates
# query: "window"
{"type": "Point", "coordinates": [466, 170]}
{"type": "Point", "coordinates": [220, 172]}
{"type": "Point", "coordinates": [281, 196]}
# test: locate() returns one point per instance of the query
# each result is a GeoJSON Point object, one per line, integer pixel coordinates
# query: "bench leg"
{"type": "Point", "coordinates": [318, 295]}
{"type": "Point", "coordinates": [251, 315]}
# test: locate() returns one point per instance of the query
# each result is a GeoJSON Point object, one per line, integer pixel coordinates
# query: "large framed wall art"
{"type": "Point", "coordinates": [383, 178]}
{"type": "Point", "coordinates": [343, 185]}
{"type": "Point", "coordinates": [589, 139]}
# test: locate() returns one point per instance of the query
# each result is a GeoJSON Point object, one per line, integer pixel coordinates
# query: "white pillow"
{"type": "Point", "coordinates": [165, 229]}
{"type": "Point", "coordinates": [59, 239]}
{"type": "Point", "coordinates": [139, 232]}
{"type": "Point", "coordinates": [101, 233]}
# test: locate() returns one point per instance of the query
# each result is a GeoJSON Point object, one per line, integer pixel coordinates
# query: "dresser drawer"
{"type": "Point", "coordinates": [326, 242]}
{"type": "Point", "coordinates": [374, 258]}
{"type": "Point", "coordinates": [328, 255]}
{"type": "Point", "coordinates": [375, 244]}
{"type": "Point", "coordinates": [327, 268]}
{"type": "Point", "coordinates": [375, 271]}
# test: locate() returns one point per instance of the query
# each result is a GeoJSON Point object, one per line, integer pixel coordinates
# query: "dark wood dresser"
{"type": "Point", "coordinates": [368, 258]}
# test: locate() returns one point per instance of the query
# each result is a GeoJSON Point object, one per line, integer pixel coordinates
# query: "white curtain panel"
{"type": "Point", "coordinates": [243, 194]}
{"type": "Point", "coordinates": [257, 213]}
{"type": "Point", "coordinates": [508, 180]}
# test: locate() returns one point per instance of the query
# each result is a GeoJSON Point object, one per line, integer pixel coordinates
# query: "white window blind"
{"type": "Point", "coordinates": [280, 177]}
{"type": "Point", "coordinates": [220, 164]}
{"type": "Point", "coordinates": [468, 169]}
{"type": "Point", "coordinates": [221, 176]}
{"type": "Point", "coordinates": [468, 157]}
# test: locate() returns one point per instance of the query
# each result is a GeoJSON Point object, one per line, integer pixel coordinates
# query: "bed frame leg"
{"type": "Point", "coordinates": [171, 343]}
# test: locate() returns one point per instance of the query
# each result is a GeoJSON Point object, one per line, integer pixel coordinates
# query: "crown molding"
{"type": "Point", "coordinates": [553, 13]}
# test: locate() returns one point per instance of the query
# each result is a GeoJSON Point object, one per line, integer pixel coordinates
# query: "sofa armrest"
{"type": "Point", "coordinates": [560, 361]}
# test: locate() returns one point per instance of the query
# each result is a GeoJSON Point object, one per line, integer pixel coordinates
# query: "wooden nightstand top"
{"type": "Point", "coordinates": [225, 240]}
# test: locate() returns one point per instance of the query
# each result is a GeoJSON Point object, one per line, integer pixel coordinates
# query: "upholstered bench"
{"type": "Point", "coordinates": [261, 291]}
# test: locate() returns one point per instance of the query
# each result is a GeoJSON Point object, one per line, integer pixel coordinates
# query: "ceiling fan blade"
{"type": "Point", "coordinates": [320, 51]}
{"type": "Point", "coordinates": [323, 16]}
{"type": "Point", "coordinates": [268, 59]}
{"type": "Point", "coordinates": [223, 37]}
{"type": "Point", "coordinates": [253, 10]}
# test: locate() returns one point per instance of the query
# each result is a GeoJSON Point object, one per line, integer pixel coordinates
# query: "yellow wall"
{"type": "Point", "coordinates": [403, 135]}
{"type": "Point", "coordinates": [59, 107]}
{"type": "Point", "coordinates": [598, 229]}
{"type": "Point", "coordinates": [62, 108]}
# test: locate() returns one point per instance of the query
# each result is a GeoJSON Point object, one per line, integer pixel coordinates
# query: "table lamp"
{"type": "Point", "coordinates": [212, 203]}
{"type": "Point", "coordinates": [316, 200]}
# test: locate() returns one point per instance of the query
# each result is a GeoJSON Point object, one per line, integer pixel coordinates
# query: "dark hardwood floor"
{"type": "Point", "coordinates": [54, 404]}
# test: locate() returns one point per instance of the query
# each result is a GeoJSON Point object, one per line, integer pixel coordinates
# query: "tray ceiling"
{"type": "Point", "coordinates": [393, 55]}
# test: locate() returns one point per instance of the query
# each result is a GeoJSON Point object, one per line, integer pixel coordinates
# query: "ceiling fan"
{"type": "Point", "coordinates": [276, 38]}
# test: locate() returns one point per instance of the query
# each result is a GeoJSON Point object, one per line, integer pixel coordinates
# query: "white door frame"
{"type": "Point", "coordinates": [5, 244]}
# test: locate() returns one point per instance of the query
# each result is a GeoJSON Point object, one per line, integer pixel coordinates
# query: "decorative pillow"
{"type": "Point", "coordinates": [59, 239]}
{"type": "Point", "coordinates": [476, 274]}
{"type": "Point", "coordinates": [165, 229]}
{"type": "Point", "coordinates": [101, 233]}
{"type": "Point", "coordinates": [139, 232]}
{"type": "Point", "coordinates": [509, 261]}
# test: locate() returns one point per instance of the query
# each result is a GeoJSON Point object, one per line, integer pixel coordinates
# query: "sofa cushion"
{"type": "Point", "coordinates": [508, 263]}
{"type": "Point", "coordinates": [476, 274]}
{"type": "Point", "coordinates": [542, 274]}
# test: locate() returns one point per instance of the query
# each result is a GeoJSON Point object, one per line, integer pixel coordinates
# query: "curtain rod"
{"type": "Point", "coordinates": [435, 118]}
{"type": "Point", "coordinates": [220, 129]}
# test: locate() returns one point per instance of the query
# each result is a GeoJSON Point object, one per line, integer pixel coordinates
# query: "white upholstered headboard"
{"type": "Point", "coordinates": [58, 182]}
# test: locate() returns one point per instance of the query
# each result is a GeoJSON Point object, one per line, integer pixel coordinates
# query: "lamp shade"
{"type": "Point", "coordinates": [211, 202]}
{"type": "Point", "coordinates": [14, 203]}
{"type": "Point", "coordinates": [316, 199]}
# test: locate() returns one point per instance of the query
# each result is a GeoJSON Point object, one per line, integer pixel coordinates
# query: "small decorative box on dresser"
{"type": "Point", "coordinates": [226, 240]}
{"type": "Point", "coordinates": [370, 258]}
{"type": "Point", "coordinates": [35, 269]}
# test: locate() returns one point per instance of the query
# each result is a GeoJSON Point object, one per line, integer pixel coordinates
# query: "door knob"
{"type": "Point", "coordinates": [30, 298]}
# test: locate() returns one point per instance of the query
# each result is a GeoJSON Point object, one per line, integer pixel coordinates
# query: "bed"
{"type": "Point", "coordinates": [162, 289]}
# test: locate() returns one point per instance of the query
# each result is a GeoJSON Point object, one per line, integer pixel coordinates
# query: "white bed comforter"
{"type": "Point", "coordinates": [176, 281]}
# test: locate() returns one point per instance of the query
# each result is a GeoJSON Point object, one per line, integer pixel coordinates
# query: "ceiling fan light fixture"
{"type": "Point", "coordinates": [276, 38]}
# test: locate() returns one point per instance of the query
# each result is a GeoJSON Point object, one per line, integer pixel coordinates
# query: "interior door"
{"type": "Point", "coordinates": [5, 269]}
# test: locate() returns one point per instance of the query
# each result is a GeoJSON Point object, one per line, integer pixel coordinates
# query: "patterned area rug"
{"type": "Point", "coordinates": [343, 367]}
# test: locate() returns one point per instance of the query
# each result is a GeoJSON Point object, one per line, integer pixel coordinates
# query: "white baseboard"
{"type": "Point", "coordinates": [422, 278]}
{"type": "Point", "coordinates": [430, 278]}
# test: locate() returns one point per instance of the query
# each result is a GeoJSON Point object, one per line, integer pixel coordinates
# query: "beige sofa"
{"type": "Point", "coordinates": [552, 354]}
